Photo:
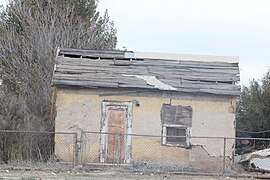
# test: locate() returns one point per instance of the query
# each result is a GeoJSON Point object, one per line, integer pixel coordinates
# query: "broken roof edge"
{"type": "Point", "coordinates": [92, 50]}
{"type": "Point", "coordinates": [150, 55]}
{"type": "Point", "coordinates": [186, 57]}
{"type": "Point", "coordinates": [128, 90]}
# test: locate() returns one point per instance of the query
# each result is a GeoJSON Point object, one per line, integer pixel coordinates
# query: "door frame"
{"type": "Point", "coordinates": [106, 105]}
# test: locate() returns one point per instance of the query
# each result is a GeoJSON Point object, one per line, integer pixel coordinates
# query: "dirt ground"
{"type": "Point", "coordinates": [70, 175]}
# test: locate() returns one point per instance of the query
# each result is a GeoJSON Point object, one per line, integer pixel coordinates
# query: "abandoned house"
{"type": "Point", "coordinates": [127, 92]}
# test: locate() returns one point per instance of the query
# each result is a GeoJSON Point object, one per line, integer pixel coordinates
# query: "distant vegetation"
{"type": "Point", "coordinates": [253, 109]}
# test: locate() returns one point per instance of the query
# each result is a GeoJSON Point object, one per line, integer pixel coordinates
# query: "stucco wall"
{"type": "Point", "coordinates": [212, 116]}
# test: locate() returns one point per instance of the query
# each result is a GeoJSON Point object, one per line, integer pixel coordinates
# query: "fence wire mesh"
{"type": "Point", "coordinates": [134, 152]}
{"type": "Point", "coordinates": [32, 149]}
{"type": "Point", "coordinates": [211, 155]}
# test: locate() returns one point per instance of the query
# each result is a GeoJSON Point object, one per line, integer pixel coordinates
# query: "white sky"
{"type": "Point", "coordinates": [214, 27]}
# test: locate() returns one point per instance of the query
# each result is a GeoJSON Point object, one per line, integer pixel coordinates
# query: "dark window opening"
{"type": "Point", "coordinates": [175, 135]}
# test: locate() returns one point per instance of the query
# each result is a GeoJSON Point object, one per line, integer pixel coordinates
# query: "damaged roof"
{"type": "Point", "coordinates": [123, 69]}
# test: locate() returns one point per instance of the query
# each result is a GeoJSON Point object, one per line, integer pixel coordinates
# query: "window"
{"type": "Point", "coordinates": [176, 135]}
{"type": "Point", "coordinates": [176, 125]}
{"type": "Point", "coordinates": [172, 134]}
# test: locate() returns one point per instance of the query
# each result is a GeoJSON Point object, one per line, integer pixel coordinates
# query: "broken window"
{"type": "Point", "coordinates": [176, 125]}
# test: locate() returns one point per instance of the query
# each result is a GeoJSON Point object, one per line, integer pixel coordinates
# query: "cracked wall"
{"type": "Point", "coordinates": [212, 116]}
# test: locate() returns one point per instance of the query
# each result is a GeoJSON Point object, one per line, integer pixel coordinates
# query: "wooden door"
{"type": "Point", "coordinates": [116, 137]}
{"type": "Point", "coordinates": [116, 122]}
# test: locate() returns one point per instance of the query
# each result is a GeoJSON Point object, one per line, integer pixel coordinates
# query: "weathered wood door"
{"type": "Point", "coordinates": [116, 124]}
{"type": "Point", "coordinates": [116, 135]}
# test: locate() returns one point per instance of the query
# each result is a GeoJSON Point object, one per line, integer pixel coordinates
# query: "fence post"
{"type": "Point", "coordinates": [81, 150]}
{"type": "Point", "coordinates": [233, 158]}
{"type": "Point", "coordinates": [224, 156]}
{"type": "Point", "coordinates": [76, 153]}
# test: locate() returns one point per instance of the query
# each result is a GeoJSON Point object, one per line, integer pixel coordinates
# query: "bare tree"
{"type": "Point", "coordinates": [30, 32]}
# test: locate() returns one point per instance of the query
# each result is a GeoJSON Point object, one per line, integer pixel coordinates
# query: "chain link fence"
{"type": "Point", "coordinates": [39, 150]}
{"type": "Point", "coordinates": [134, 152]}
{"type": "Point", "coordinates": [207, 155]}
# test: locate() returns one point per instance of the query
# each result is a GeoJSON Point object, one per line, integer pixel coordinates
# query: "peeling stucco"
{"type": "Point", "coordinates": [211, 117]}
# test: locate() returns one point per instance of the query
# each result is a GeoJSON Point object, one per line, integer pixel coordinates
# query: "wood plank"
{"type": "Point", "coordinates": [136, 86]}
{"type": "Point", "coordinates": [210, 91]}
{"type": "Point", "coordinates": [104, 78]}
{"type": "Point", "coordinates": [195, 83]}
{"type": "Point", "coordinates": [217, 87]}
{"type": "Point", "coordinates": [192, 63]}
{"type": "Point", "coordinates": [66, 50]}
{"type": "Point", "coordinates": [187, 66]}
{"type": "Point", "coordinates": [84, 83]}
{"type": "Point", "coordinates": [194, 70]}
{"type": "Point", "coordinates": [120, 69]}
{"type": "Point", "coordinates": [122, 62]}
{"type": "Point", "coordinates": [197, 78]}
{"type": "Point", "coordinates": [192, 73]}
{"type": "Point", "coordinates": [222, 92]}
{"type": "Point", "coordinates": [93, 53]}
{"type": "Point", "coordinates": [82, 61]}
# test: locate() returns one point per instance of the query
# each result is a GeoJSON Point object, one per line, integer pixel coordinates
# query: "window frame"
{"type": "Point", "coordinates": [167, 143]}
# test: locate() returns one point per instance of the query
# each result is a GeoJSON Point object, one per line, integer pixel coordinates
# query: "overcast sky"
{"type": "Point", "coordinates": [212, 27]}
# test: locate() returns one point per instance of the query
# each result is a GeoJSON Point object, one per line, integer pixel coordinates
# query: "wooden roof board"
{"type": "Point", "coordinates": [111, 69]}
{"type": "Point", "coordinates": [92, 53]}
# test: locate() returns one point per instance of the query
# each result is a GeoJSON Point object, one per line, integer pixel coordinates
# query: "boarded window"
{"type": "Point", "coordinates": [177, 115]}
{"type": "Point", "coordinates": [176, 125]}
